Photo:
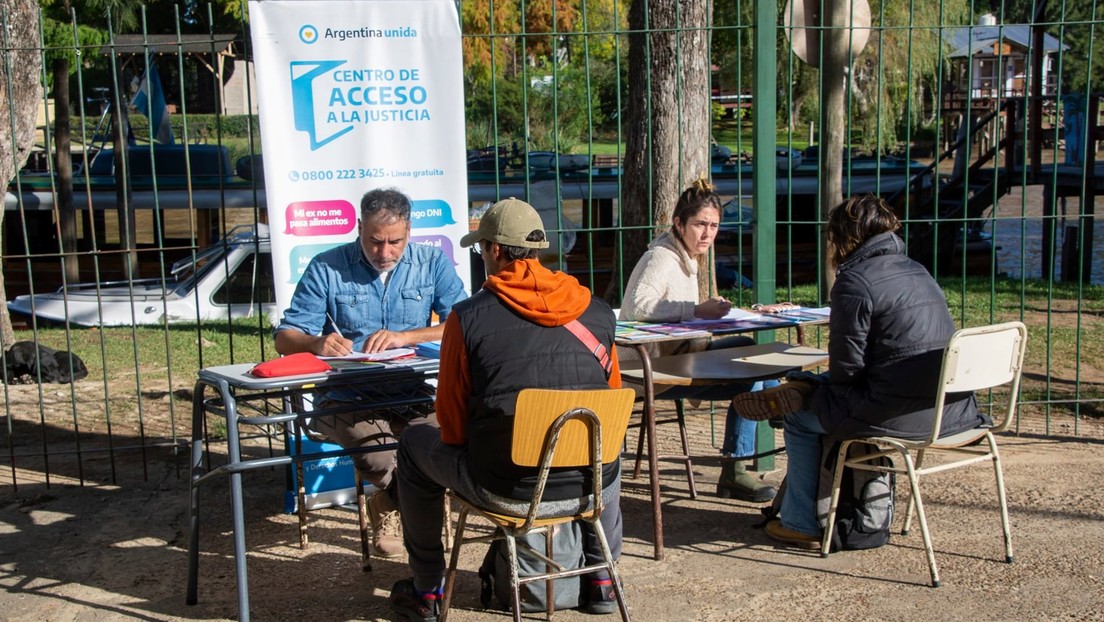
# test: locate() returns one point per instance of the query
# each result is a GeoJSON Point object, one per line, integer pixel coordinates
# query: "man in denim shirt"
{"type": "Point", "coordinates": [379, 291]}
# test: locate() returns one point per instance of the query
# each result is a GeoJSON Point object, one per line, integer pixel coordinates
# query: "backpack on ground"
{"type": "Point", "coordinates": [567, 550]}
{"type": "Point", "coordinates": [864, 513]}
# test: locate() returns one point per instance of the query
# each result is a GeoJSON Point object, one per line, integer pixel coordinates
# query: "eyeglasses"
{"type": "Point", "coordinates": [478, 247]}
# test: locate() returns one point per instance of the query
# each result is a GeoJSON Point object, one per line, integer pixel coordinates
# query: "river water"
{"type": "Point", "coordinates": [1018, 233]}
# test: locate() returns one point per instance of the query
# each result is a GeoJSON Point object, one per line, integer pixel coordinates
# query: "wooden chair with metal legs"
{"type": "Point", "coordinates": [975, 359]}
{"type": "Point", "coordinates": [552, 428]}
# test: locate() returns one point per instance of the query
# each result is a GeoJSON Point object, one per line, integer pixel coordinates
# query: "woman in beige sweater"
{"type": "Point", "coordinates": [663, 287]}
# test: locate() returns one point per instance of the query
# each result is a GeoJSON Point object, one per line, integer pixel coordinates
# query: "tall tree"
{"type": "Point", "coordinates": [20, 63]}
{"type": "Point", "coordinates": [835, 67]}
{"type": "Point", "coordinates": [902, 60]}
{"type": "Point", "coordinates": [548, 17]}
{"type": "Point", "coordinates": [1083, 63]}
{"type": "Point", "coordinates": [667, 133]}
{"type": "Point", "coordinates": [904, 57]}
{"type": "Point", "coordinates": [490, 30]}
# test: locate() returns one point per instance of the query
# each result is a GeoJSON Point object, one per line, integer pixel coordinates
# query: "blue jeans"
{"type": "Point", "coordinates": [803, 433]}
{"type": "Point", "coordinates": [739, 433]}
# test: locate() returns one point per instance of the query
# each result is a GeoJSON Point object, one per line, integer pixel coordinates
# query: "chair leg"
{"type": "Point", "coordinates": [611, 566]}
{"type": "Point", "coordinates": [362, 518]}
{"type": "Point", "coordinates": [914, 484]}
{"type": "Point", "coordinates": [549, 585]}
{"type": "Point", "coordinates": [833, 504]}
{"type": "Point", "coordinates": [681, 415]}
{"type": "Point", "coordinates": [515, 580]}
{"type": "Point", "coordinates": [448, 523]}
{"type": "Point", "coordinates": [1002, 498]}
{"type": "Point", "coordinates": [919, 463]}
{"type": "Point", "coordinates": [301, 496]}
{"type": "Point", "coordinates": [640, 447]}
{"type": "Point", "coordinates": [450, 574]}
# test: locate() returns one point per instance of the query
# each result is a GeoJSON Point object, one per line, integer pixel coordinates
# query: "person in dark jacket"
{"type": "Point", "coordinates": [509, 336]}
{"type": "Point", "coordinates": [889, 327]}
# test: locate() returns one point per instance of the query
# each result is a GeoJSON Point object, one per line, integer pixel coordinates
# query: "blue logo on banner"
{"type": "Point", "coordinates": [430, 213]}
{"type": "Point", "coordinates": [308, 34]}
{"type": "Point", "coordinates": [302, 98]}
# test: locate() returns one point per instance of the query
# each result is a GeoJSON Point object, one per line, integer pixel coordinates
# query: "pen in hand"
{"type": "Point", "coordinates": [336, 330]}
{"type": "Point", "coordinates": [339, 346]}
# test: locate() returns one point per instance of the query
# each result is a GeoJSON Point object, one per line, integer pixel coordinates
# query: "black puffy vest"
{"type": "Point", "coordinates": [508, 353]}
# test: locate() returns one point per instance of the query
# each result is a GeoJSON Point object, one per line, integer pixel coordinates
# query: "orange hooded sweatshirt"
{"type": "Point", "coordinates": [536, 293]}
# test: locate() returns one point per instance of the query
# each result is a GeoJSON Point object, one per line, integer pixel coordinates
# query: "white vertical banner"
{"type": "Point", "coordinates": [356, 95]}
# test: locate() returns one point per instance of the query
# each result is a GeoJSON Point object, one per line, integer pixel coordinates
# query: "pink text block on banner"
{"type": "Point", "coordinates": [311, 218]}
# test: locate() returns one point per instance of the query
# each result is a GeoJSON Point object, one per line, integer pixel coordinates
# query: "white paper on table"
{"type": "Point", "coordinates": [382, 355]}
{"type": "Point", "coordinates": [736, 313]}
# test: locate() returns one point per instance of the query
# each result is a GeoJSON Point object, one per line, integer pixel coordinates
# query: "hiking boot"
{"type": "Point", "coordinates": [773, 402]}
{"type": "Point", "coordinates": [387, 539]}
{"type": "Point", "coordinates": [601, 600]}
{"type": "Point", "coordinates": [736, 482]}
{"type": "Point", "coordinates": [412, 604]}
{"type": "Point", "coordinates": [775, 531]}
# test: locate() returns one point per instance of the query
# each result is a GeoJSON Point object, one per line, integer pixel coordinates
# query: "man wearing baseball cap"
{"type": "Point", "coordinates": [519, 331]}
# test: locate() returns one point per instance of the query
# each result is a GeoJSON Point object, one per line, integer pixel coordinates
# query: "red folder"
{"type": "Point", "coordinates": [291, 365]}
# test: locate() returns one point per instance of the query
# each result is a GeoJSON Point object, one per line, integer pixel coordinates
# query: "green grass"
{"type": "Point", "coordinates": [727, 133]}
{"type": "Point", "coordinates": [239, 147]}
{"type": "Point", "coordinates": [738, 138]}
{"type": "Point", "coordinates": [153, 351]}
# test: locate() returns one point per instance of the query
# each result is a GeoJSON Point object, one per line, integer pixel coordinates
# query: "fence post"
{"type": "Point", "coordinates": [764, 138]}
{"type": "Point", "coordinates": [1088, 201]}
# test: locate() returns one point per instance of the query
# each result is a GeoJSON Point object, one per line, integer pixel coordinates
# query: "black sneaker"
{"type": "Point", "coordinates": [601, 600]}
{"type": "Point", "coordinates": [412, 605]}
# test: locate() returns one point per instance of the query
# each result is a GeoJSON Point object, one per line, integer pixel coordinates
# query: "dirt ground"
{"type": "Point", "coordinates": [113, 552]}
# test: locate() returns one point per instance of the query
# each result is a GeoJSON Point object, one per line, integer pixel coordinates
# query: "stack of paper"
{"type": "Point", "coordinates": [680, 329]}
{"type": "Point", "coordinates": [383, 355]}
{"type": "Point", "coordinates": [804, 314]}
{"type": "Point", "coordinates": [631, 331]}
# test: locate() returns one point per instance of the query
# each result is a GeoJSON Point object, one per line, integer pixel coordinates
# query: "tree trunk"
{"type": "Point", "coordinates": [20, 49]}
{"type": "Point", "coordinates": [67, 217]}
{"type": "Point", "coordinates": [124, 206]}
{"type": "Point", "coordinates": [667, 134]}
{"type": "Point", "coordinates": [834, 76]}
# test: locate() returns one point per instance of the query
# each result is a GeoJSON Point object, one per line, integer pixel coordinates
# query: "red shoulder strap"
{"type": "Point", "coordinates": [591, 342]}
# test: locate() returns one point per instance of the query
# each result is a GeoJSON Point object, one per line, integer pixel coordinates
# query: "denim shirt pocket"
{"type": "Point", "coordinates": [356, 311]}
{"type": "Point", "coordinates": [417, 302]}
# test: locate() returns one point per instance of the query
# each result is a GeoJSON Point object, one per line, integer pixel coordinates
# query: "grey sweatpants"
{"type": "Point", "coordinates": [426, 467]}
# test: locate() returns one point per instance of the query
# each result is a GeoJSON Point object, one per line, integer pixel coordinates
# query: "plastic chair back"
{"type": "Point", "coordinates": [983, 357]}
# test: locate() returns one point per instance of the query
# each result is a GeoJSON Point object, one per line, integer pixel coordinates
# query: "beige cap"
{"type": "Point", "coordinates": [508, 222]}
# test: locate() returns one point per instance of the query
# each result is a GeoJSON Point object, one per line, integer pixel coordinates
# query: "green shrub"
{"type": "Point", "coordinates": [201, 127]}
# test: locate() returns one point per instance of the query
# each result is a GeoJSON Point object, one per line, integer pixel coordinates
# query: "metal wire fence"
{"type": "Point", "coordinates": [978, 121]}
